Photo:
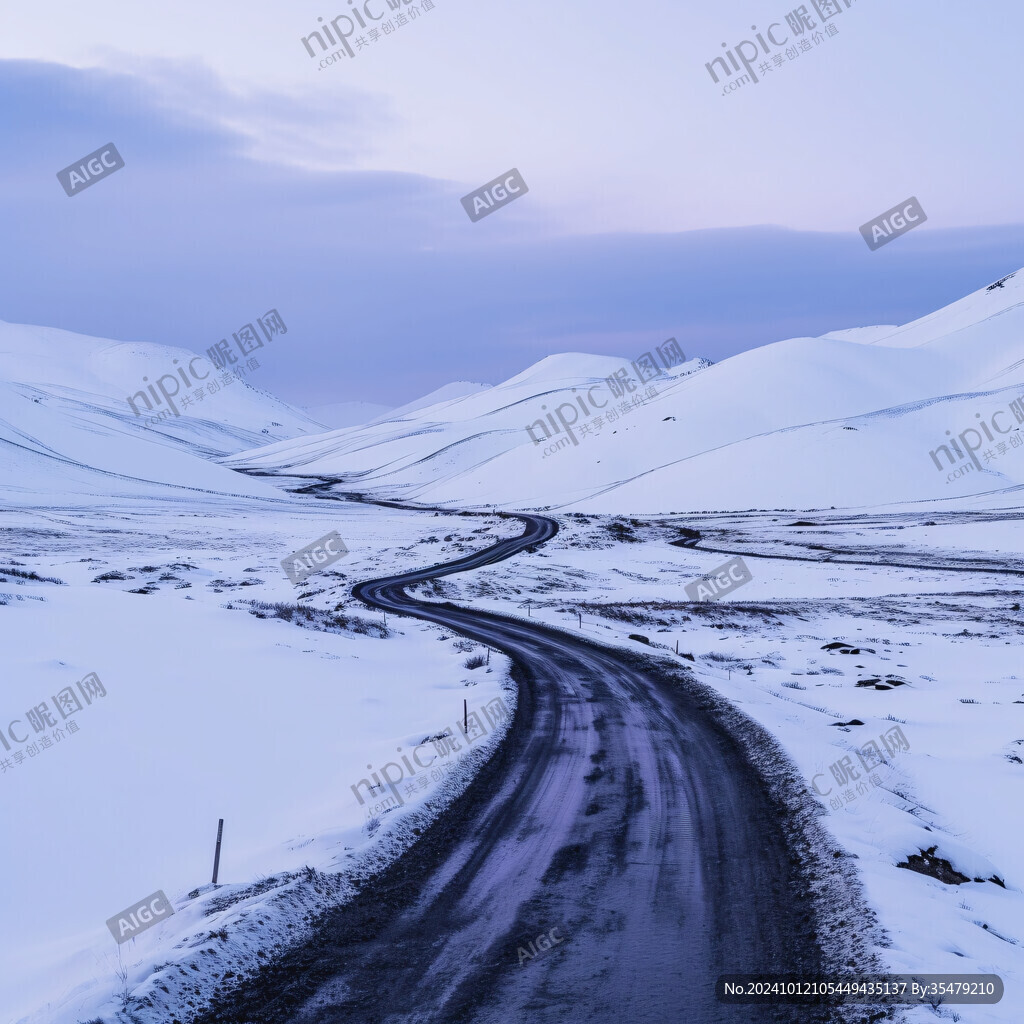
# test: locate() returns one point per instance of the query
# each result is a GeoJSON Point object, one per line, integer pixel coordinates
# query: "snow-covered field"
{"type": "Point", "coordinates": [210, 712]}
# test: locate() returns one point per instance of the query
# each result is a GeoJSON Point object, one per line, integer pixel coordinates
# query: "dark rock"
{"type": "Point", "coordinates": [926, 863]}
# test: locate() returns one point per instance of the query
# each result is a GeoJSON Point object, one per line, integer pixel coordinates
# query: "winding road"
{"type": "Point", "coordinates": [617, 811]}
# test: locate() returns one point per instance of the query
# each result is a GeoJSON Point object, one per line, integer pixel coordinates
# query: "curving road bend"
{"type": "Point", "coordinates": [617, 812]}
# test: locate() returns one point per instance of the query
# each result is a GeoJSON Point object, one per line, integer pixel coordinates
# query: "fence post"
{"type": "Point", "coordinates": [216, 855]}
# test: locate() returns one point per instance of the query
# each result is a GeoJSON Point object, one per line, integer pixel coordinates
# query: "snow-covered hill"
{"type": "Point", "coordinates": [855, 418]}
{"type": "Point", "coordinates": [70, 433]}
{"type": "Point", "coordinates": [849, 419]}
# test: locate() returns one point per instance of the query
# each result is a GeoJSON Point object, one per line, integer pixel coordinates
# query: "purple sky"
{"type": "Point", "coordinates": [254, 179]}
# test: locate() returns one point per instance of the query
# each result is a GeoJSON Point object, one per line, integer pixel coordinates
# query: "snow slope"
{"type": "Point", "coordinates": [67, 430]}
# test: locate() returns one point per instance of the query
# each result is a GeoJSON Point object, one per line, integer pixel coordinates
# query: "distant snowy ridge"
{"type": "Point", "coordinates": [847, 419]}
{"type": "Point", "coordinates": [852, 419]}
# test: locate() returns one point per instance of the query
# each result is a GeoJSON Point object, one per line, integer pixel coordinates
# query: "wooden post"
{"type": "Point", "coordinates": [677, 645]}
{"type": "Point", "coordinates": [465, 717]}
{"type": "Point", "coordinates": [580, 614]}
{"type": "Point", "coordinates": [216, 855]}
{"type": "Point", "coordinates": [488, 655]}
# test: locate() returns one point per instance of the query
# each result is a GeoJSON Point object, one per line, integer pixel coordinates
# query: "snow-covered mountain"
{"type": "Point", "coordinates": [854, 418]}
{"type": "Point", "coordinates": [70, 433]}
{"type": "Point", "coordinates": [849, 419]}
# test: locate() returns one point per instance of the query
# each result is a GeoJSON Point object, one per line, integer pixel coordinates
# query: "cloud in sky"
{"type": "Point", "coordinates": [230, 203]}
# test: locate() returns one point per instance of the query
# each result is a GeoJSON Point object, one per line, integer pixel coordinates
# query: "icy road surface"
{"type": "Point", "coordinates": [618, 813]}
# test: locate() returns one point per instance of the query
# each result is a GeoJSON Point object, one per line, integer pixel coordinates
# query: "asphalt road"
{"type": "Point", "coordinates": [617, 812]}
